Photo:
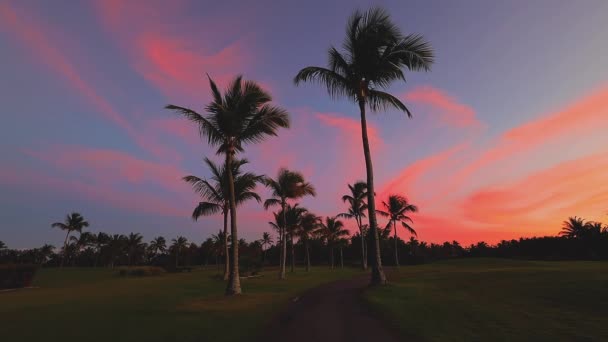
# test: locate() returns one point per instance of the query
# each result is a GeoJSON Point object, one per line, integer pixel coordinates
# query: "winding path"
{"type": "Point", "coordinates": [332, 312]}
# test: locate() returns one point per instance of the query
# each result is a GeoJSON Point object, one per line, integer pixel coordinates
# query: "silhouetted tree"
{"type": "Point", "coordinates": [178, 246]}
{"type": "Point", "coordinates": [396, 209]}
{"type": "Point", "coordinates": [74, 222]}
{"type": "Point", "coordinates": [266, 241]}
{"type": "Point", "coordinates": [356, 210]}
{"type": "Point", "coordinates": [332, 230]}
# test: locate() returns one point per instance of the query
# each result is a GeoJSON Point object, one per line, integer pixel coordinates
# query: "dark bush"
{"type": "Point", "coordinates": [140, 271]}
{"type": "Point", "coordinates": [14, 276]}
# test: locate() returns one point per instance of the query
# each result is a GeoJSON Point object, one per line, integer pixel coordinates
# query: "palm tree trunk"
{"type": "Point", "coordinates": [331, 257]}
{"type": "Point", "coordinates": [378, 276]}
{"type": "Point", "coordinates": [234, 281]}
{"type": "Point", "coordinates": [293, 254]}
{"type": "Point", "coordinates": [176, 257]}
{"type": "Point", "coordinates": [226, 249]}
{"type": "Point", "coordinates": [307, 256]}
{"type": "Point", "coordinates": [396, 245]}
{"type": "Point", "coordinates": [363, 256]}
{"type": "Point", "coordinates": [283, 243]}
{"type": "Point", "coordinates": [65, 249]}
{"type": "Point", "coordinates": [341, 258]}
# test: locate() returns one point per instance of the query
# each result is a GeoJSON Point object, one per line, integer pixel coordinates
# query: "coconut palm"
{"type": "Point", "coordinates": [396, 210]}
{"type": "Point", "coordinates": [74, 222]}
{"type": "Point", "coordinates": [288, 185]}
{"type": "Point", "coordinates": [134, 244]}
{"type": "Point", "coordinates": [100, 241]}
{"type": "Point", "coordinates": [356, 210]}
{"type": "Point", "coordinates": [2, 245]}
{"type": "Point", "coordinates": [116, 245]}
{"type": "Point", "coordinates": [158, 244]}
{"type": "Point", "coordinates": [219, 249]}
{"type": "Point", "coordinates": [266, 241]}
{"type": "Point", "coordinates": [241, 115]}
{"type": "Point", "coordinates": [375, 54]}
{"type": "Point", "coordinates": [574, 227]}
{"type": "Point", "coordinates": [217, 195]}
{"type": "Point", "coordinates": [309, 223]}
{"type": "Point", "coordinates": [44, 253]}
{"type": "Point", "coordinates": [83, 241]}
{"type": "Point", "coordinates": [293, 220]}
{"type": "Point", "coordinates": [332, 230]}
{"type": "Point", "coordinates": [178, 245]}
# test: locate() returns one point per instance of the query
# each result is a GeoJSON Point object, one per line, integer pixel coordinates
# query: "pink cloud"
{"type": "Point", "coordinates": [451, 112]}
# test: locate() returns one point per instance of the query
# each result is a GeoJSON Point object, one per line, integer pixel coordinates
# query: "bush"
{"type": "Point", "coordinates": [141, 271]}
{"type": "Point", "coordinates": [15, 276]}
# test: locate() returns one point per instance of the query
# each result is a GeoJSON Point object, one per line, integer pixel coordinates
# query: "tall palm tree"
{"type": "Point", "coordinates": [100, 241]}
{"type": "Point", "coordinates": [81, 242]}
{"type": "Point", "coordinates": [375, 54]}
{"type": "Point", "coordinates": [308, 225]}
{"type": "Point", "coordinates": [116, 245]}
{"type": "Point", "coordinates": [574, 227]}
{"type": "Point", "coordinates": [133, 244]}
{"type": "Point", "coordinates": [178, 245]}
{"type": "Point", "coordinates": [287, 185]}
{"type": "Point", "coordinates": [293, 218]}
{"type": "Point", "coordinates": [217, 194]}
{"type": "Point", "coordinates": [241, 115]}
{"type": "Point", "coordinates": [332, 230]}
{"type": "Point", "coordinates": [266, 241]}
{"type": "Point", "coordinates": [396, 210]}
{"type": "Point", "coordinates": [356, 210]}
{"type": "Point", "coordinates": [74, 222]}
{"type": "Point", "coordinates": [158, 244]}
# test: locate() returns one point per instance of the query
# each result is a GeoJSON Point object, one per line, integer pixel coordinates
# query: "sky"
{"type": "Point", "coordinates": [509, 135]}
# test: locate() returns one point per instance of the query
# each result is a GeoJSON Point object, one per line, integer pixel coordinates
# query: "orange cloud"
{"type": "Point", "coordinates": [451, 112]}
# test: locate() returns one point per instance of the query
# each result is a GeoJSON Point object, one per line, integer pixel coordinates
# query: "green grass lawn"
{"type": "Point", "coordinates": [97, 305]}
{"type": "Point", "coordinates": [497, 300]}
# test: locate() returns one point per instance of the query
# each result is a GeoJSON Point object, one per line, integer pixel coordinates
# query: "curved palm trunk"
{"type": "Point", "coordinates": [363, 256]}
{"type": "Point", "coordinates": [307, 255]}
{"type": "Point", "coordinates": [283, 244]}
{"type": "Point", "coordinates": [396, 245]}
{"type": "Point", "coordinates": [226, 249]}
{"type": "Point", "coordinates": [65, 250]}
{"type": "Point", "coordinates": [234, 281]}
{"type": "Point", "coordinates": [341, 258]}
{"type": "Point", "coordinates": [378, 276]}
{"type": "Point", "coordinates": [293, 254]}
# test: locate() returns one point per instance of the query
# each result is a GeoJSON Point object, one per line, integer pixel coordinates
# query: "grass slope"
{"type": "Point", "coordinates": [497, 300]}
{"type": "Point", "coordinates": [96, 305]}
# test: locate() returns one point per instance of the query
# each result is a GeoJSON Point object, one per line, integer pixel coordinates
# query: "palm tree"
{"type": "Point", "coordinates": [287, 185]}
{"type": "Point", "coordinates": [81, 242]}
{"type": "Point", "coordinates": [158, 244]}
{"type": "Point", "coordinates": [74, 222]}
{"type": "Point", "coordinates": [44, 253]}
{"type": "Point", "coordinates": [356, 210]}
{"type": "Point", "coordinates": [100, 241]}
{"type": "Point", "coordinates": [574, 227]}
{"type": "Point", "coordinates": [293, 220]}
{"type": "Point", "coordinates": [376, 52]}
{"type": "Point", "coordinates": [217, 195]}
{"type": "Point", "coordinates": [242, 115]}
{"type": "Point", "coordinates": [332, 230]}
{"type": "Point", "coordinates": [178, 245]}
{"type": "Point", "coordinates": [2, 245]}
{"type": "Point", "coordinates": [116, 245]}
{"type": "Point", "coordinates": [133, 244]}
{"type": "Point", "coordinates": [266, 241]}
{"type": "Point", "coordinates": [219, 247]}
{"type": "Point", "coordinates": [396, 210]}
{"type": "Point", "coordinates": [308, 225]}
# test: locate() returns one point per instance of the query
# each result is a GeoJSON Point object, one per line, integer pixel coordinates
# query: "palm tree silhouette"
{"type": "Point", "coordinates": [574, 227]}
{"type": "Point", "coordinates": [287, 185]}
{"type": "Point", "coordinates": [242, 115]}
{"type": "Point", "coordinates": [356, 210]}
{"type": "Point", "coordinates": [332, 230]}
{"type": "Point", "coordinates": [74, 222]}
{"type": "Point", "coordinates": [375, 54]}
{"type": "Point", "coordinates": [100, 241]}
{"type": "Point", "coordinates": [178, 245]}
{"type": "Point", "coordinates": [294, 219]}
{"type": "Point", "coordinates": [396, 210]}
{"type": "Point", "coordinates": [158, 244]}
{"type": "Point", "coordinates": [217, 195]}
{"type": "Point", "coordinates": [266, 241]}
{"type": "Point", "coordinates": [133, 244]}
{"type": "Point", "coordinates": [2, 245]}
{"type": "Point", "coordinates": [308, 226]}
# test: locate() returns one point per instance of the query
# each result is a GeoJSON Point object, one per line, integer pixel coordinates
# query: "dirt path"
{"type": "Point", "coordinates": [332, 312]}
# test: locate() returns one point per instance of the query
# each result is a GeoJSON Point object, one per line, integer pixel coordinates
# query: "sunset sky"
{"type": "Point", "coordinates": [509, 135]}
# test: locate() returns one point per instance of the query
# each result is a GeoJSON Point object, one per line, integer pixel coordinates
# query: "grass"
{"type": "Point", "coordinates": [497, 300]}
{"type": "Point", "coordinates": [97, 305]}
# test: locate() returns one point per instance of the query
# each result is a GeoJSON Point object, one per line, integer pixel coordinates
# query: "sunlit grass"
{"type": "Point", "coordinates": [97, 305]}
{"type": "Point", "coordinates": [497, 300]}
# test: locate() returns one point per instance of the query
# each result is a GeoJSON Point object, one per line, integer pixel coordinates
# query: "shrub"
{"type": "Point", "coordinates": [14, 276]}
{"type": "Point", "coordinates": [140, 271]}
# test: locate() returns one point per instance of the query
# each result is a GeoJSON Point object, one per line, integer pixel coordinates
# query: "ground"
{"type": "Point", "coordinates": [459, 300]}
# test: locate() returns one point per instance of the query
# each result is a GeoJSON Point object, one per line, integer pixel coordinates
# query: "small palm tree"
{"type": "Point", "coordinates": [356, 210]}
{"type": "Point", "coordinates": [133, 244]}
{"type": "Point", "coordinates": [158, 244]}
{"type": "Point", "coordinates": [574, 227]}
{"type": "Point", "coordinates": [218, 246]}
{"type": "Point", "coordinates": [74, 222]}
{"type": "Point", "coordinates": [287, 185]}
{"type": "Point", "coordinates": [241, 115]}
{"type": "Point", "coordinates": [100, 241]}
{"type": "Point", "coordinates": [2, 245]}
{"type": "Point", "coordinates": [293, 220]}
{"type": "Point", "coordinates": [308, 226]}
{"type": "Point", "coordinates": [116, 246]}
{"type": "Point", "coordinates": [376, 52]}
{"type": "Point", "coordinates": [44, 253]}
{"type": "Point", "coordinates": [396, 209]}
{"type": "Point", "coordinates": [332, 230]}
{"type": "Point", "coordinates": [178, 245]}
{"type": "Point", "coordinates": [218, 195]}
{"type": "Point", "coordinates": [266, 242]}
